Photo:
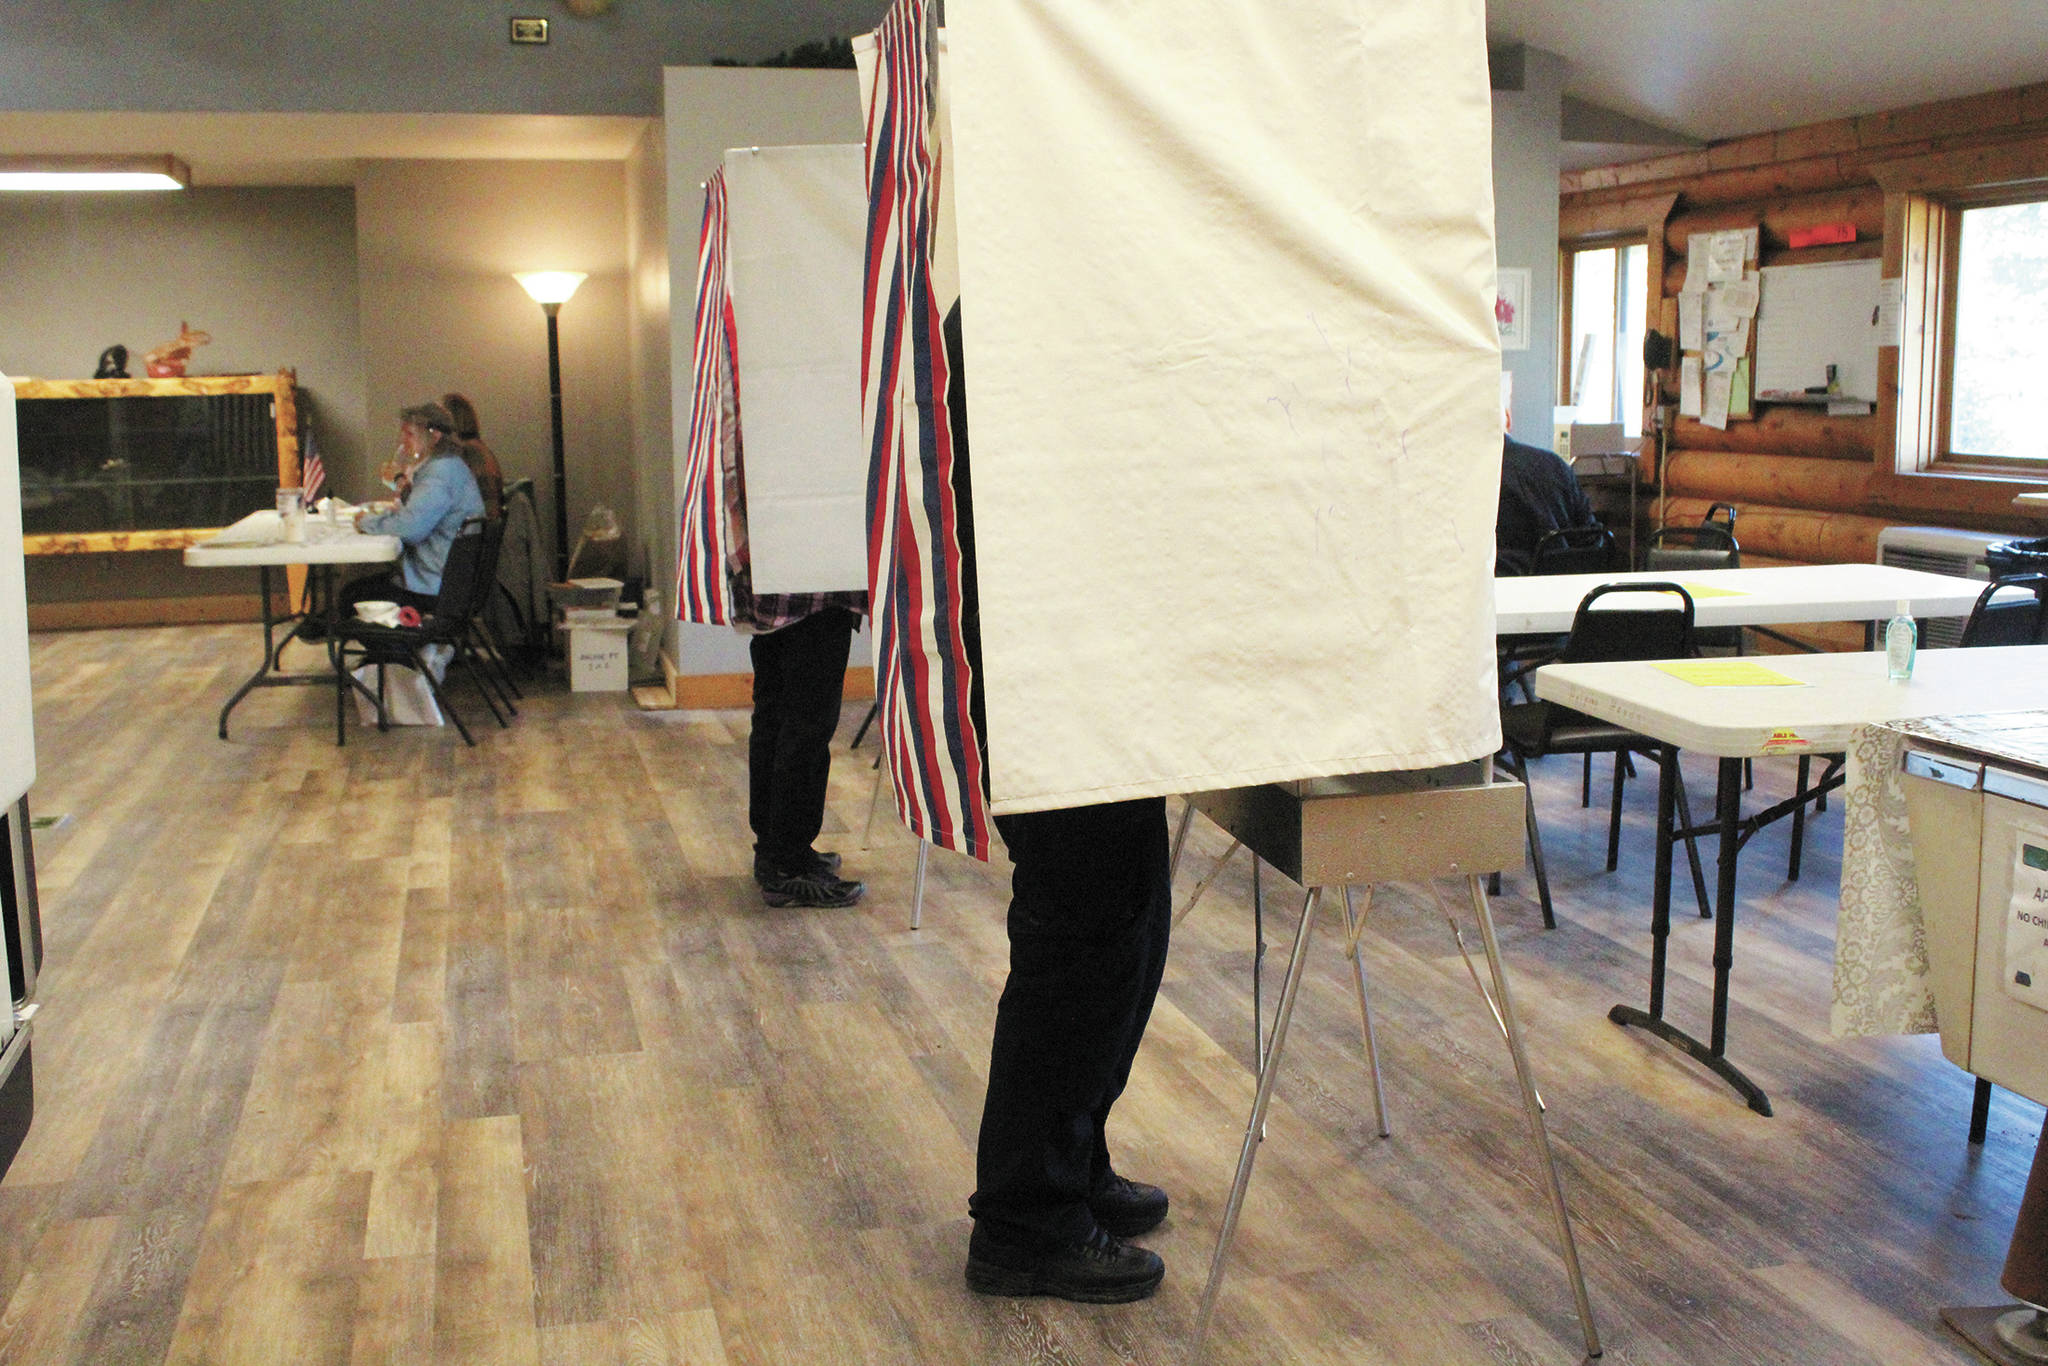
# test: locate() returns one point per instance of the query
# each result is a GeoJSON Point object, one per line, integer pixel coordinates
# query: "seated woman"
{"type": "Point", "coordinates": [442, 496]}
{"type": "Point", "coordinates": [481, 459]}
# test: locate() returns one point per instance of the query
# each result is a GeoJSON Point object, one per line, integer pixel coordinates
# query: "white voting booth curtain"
{"type": "Point", "coordinates": [795, 217]}
{"type": "Point", "coordinates": [775, 382]}
{"type": "Point", "coordinates": [17, 722]}
{"type": "Point", "coordinates": [1226, 275]}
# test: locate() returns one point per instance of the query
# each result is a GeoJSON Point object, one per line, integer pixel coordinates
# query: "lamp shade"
{"type": "Point", "coordinates": [550, 286]}
{"type": "Point", "coordinates": [44, 173]}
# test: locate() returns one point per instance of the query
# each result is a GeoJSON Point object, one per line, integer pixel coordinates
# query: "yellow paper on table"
{"type": "Point", "coordinates": [1727, 673]}
{"type": "Point", "coordinates": [1704, 590]}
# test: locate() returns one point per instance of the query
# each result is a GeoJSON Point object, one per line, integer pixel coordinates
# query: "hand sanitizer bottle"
{"type": "Point", "coordinates": [1901, 639]}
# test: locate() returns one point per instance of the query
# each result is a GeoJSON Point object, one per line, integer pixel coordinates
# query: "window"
{"type": "Point", "coordinates": [1997, 353]}
{"type": "Point", "coordinates": [1605, 289]}
{"type": "Point", "coordinates": [1964, 238]}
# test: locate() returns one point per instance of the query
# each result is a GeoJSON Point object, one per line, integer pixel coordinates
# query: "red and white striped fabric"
{"type": "Point", "coordinates": [702, 594]}
{"type": "Point", "coordinates": [312, 474]}
{"type": "Point", "coordinates": [920, 568]}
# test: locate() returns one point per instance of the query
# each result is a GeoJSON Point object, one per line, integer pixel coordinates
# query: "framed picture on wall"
{"type": "Point", "coordinates": [1511, 308]}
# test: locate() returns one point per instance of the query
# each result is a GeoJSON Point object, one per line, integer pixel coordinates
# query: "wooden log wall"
{"type": "Point", "coordinates": [1802, 481]}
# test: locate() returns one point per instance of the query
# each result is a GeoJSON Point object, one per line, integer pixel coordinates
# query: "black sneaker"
{"type": "Point", "coordinates": [1100, 1269]}
{"type": "Point", "coordinates": [1127, 1208]}
{"type": "Point", "coordinates": [810, 889]}
{"type": "Point", "coordinates": [811, 862]}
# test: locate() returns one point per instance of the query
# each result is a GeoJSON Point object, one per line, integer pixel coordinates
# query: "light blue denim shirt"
{"type": "Point", "coordinates": [444, 496]}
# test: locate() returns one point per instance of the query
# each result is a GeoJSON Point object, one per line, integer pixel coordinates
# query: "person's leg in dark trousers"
{"type": "Point", "coordinates": [799, 679]}
{"type": "Point", "coordinates": [1089, 920]}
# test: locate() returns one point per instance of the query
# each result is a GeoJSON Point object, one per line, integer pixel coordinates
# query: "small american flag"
{"type": "Point", "coordinates": [312, 474]}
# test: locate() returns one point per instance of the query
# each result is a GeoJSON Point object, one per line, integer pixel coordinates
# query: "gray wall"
{"type": "Point", "coordinates": [1526, 123]}
{"type": "Point", "coordinates": [422, 56]}
{"type": "Point", "coordinates": [271, 274]}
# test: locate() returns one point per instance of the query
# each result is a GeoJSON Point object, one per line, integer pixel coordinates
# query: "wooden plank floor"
{"type": "Point", "coordinates": [410, 1053]}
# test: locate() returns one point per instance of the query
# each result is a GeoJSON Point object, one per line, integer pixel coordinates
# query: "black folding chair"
{"type": "Point", "coordinates": [463, 590]}
{"type": "Point", "coordinates": [1532, 730]}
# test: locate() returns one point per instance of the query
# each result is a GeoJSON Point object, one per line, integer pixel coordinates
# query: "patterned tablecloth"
{"type": "Point", "coordinates": [1881, 984]}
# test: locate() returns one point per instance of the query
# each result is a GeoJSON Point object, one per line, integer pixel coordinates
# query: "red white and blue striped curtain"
{"type": "Point", "coordinates": [920, 575]}
{"type": "Point", "coordinates": [702, 592]}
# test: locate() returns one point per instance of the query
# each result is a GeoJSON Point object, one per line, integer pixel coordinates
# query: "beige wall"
{"type": "Point", "coordinates": [437, 243]}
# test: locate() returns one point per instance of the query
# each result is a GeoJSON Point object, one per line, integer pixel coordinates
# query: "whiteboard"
{"type": "Point", "coordinates": [1811, 317]}
{"type": "Point", "coordinates": [17, 721]}
{"type": "Point", "coordinates": [797, 222]}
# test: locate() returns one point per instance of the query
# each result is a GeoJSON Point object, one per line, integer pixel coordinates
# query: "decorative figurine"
{"type": "Point", "coordinates": [113, 363]}
{"type": "Point", "coordinates": [168, 361]}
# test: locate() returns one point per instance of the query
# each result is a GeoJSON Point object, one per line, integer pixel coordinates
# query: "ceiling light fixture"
{"type": "Point", "coordinates": [46, 173]}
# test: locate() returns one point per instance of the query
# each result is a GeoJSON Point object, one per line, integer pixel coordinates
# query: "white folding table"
{"type": "Point", "coordinates": [1832, 696]}
{"type": "Point", "coordinates": [1775, 596]}
{"type": "Point", "coordinates": [258, 540]}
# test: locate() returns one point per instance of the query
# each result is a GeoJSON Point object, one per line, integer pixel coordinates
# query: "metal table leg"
{"type": "Point", "coordinates": [1728, 821]}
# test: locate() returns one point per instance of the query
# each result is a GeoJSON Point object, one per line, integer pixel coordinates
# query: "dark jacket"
{"type": "Point", "coordinates": [1538, 494]}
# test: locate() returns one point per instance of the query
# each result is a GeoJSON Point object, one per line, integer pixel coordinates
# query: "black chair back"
{"type": "Point", "coordinates": [1603, 634]}
{"type": "Point", "coordinates": [2022, 619]}
{"type": "Point", "coordinates": [1706, 546]}
{"type": "Point", "coordinates": [1721, 515]}
{"type": "Point", "coordinates": [1574, 550]}
{"type": "Point", "coordinates": [463, 583]}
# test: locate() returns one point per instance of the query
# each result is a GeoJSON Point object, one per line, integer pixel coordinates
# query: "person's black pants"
{"type": "Point", "coordinates": [799, 675]}
{"type": "Point", "coordinates": [1090, 912]}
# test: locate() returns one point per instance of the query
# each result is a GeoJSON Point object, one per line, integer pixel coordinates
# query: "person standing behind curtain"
{"type": "Point", "coordinates": [481, 459]}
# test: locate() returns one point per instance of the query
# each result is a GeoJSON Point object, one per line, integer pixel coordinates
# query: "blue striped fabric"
{"type": "Point", "coordinates": [920, 577]}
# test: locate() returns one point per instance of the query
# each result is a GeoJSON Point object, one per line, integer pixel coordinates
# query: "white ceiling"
{"type": "Point", "coordinates": [321, 149]}
{"type": "Point", "coordinates": [1714, 69]}
{"type": "Point", "coordinates": [1704, 69]}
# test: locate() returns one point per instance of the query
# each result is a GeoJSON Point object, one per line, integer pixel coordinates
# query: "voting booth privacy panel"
{"type": "Point", "coordinates": [775, 398]}
{"type": "Point", "coordinates": [17, 724]}
{"type": "Point", "coordinates": [1228, 373]}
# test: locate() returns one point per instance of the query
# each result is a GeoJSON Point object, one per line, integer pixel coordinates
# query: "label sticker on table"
{"type": "Point", "coordinates": [1708, 590]}
{"type": "Point", "coordinates": [1727, 673]}
{"type": "Point", "coordinates": [1782, 741]}
{"type": "Point", "coordinates": [2026, 926]}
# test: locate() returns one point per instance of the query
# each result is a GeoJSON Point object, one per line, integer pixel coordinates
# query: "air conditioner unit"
{"type": "Point", "coordinates": [1938, 550]}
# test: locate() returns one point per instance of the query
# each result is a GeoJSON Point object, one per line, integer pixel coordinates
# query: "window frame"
{"type": "Point", "coordinates": [1924, 202]}
{"type": "Point", "coordinates": [1942, 459]}
{"type": "Point", "coordinates": [1567, 252]}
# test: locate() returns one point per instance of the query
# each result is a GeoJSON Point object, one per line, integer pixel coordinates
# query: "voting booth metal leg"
{"type": "Point", "coordinates": [1207, 878]}
{"type": "Point", "coordinates": [924, 853]}
{"type": "Point", "coordinates": [1532, 1109]}
{"type": "Point", "coordinates": [1180, 840]}
{"type": "Point", "coordinates": [1354, 930]}
{"type": "Point", "coordinates": [1258, 965]}
{"type": "Point", "coordinates": [1249, 1152]}
{"type": "Point", "coordinates": [1499, 1001]}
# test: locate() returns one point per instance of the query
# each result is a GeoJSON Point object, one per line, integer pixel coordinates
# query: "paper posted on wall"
{"type": "Point", "coordinates": [1689, 387]}
{"type": "Point", "coordinates": [1716, 391]}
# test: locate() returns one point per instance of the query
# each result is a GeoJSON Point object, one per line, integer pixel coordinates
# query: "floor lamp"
{"type": "Point", "coordinates": [551, 289]}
